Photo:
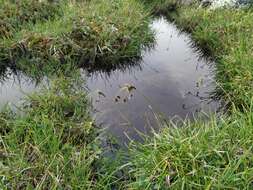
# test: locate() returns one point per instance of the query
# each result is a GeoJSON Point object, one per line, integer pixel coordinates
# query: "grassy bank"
{"type": "Point", "coordinates": [213, 155]}
{"type": "Point", "coordinates": [87, 33]}
{"type": "Point", "coordinates": [14, 15]}
{"type": "Point", "coordinates": [227, 36]}
{"type": "Point", "coordinates": [52, 144]}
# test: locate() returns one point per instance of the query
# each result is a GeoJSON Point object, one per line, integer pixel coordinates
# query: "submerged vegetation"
{"type": "Point", "coordinates": [53, 142]}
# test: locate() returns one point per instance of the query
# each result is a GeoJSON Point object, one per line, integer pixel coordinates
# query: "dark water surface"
{"type": "Point", "coordinates": [172, 80]}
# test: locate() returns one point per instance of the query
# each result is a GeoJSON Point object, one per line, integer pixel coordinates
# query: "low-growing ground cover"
{"type": "Point", "coordinates": [15, 14]}
{"type": "Point", "coordinates": [88, 34]}
{"type": "Point", "coordinates": [217, 154]}
{"type": "Point", "coordinates": [162, 7]}
{"type": "Point", "coordinates": [52, 143]}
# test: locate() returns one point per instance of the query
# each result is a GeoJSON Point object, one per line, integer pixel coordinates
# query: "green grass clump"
{"type": "Point", "coordinates": [89, 34]}
{"type": "Point", "coordinates": [15, 14]}
{"type": "Point", "coordinates": [52, 144]}
{"type": "Point", "coordinates": [213, 155]}
{"type": "Point", "coordinates": [162, 6]}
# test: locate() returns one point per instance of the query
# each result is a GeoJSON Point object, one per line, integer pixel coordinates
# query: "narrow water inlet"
{"type": "Point", "coordinates": [171, 80]}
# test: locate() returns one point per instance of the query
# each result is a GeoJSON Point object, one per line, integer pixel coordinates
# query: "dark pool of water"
{"type": "Point", "coordinates": [172, 80]}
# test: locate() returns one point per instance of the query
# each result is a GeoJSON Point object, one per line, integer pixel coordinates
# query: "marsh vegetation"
{"type": "Point", "coordinates": [71, 33]}
{"type": "Point", "coordinates": [52, 142]}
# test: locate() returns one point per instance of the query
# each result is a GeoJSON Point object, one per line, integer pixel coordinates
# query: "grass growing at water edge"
{"type": "Point", "coordinates": [217, 154]}
{"type": "Point", "coordinates": [162, 6]}
{"type": "Point", "coordinates": [88, 34]}
{"type": "Point", "coordinates": [226, 35]}
{"type": "Point", "coordinates": [53, 143]}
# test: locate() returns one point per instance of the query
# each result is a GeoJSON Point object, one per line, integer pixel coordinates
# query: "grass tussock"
{"type": "Point", "coordinates": [15, 14]}
{"type": "Point", "coordinates": [213, 155]}
{"type": "Point", "coordinates": [88, 34]}
{"type": "Point", "coordinates": [159, 7]}
{"type": "Point", "coordinates": [52, 144]}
